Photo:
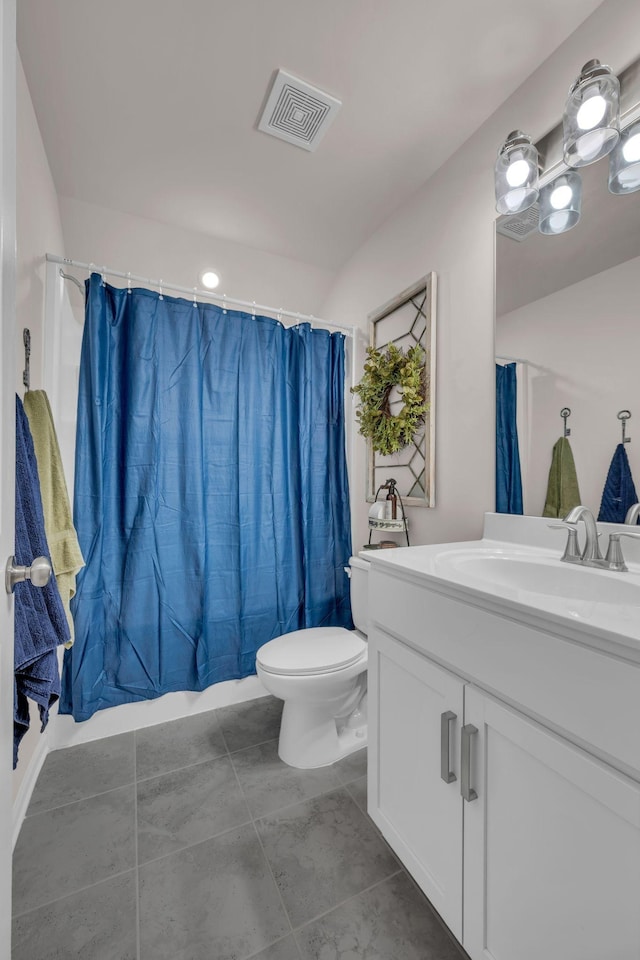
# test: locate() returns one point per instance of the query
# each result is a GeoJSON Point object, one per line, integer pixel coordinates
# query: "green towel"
{"type": "Point", "coordinates": [563, 492]}
{"type": "Point", "coordinates": [66, 556]}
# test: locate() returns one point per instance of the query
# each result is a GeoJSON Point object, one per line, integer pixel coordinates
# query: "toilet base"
{"type": "Point", "coordinates": [309, 738]}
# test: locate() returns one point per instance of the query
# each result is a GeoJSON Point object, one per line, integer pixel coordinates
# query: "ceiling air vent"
{"type": "Point", "coordinates": [297, 112]}
{"type": "Point", "coordinates": [520, 225]}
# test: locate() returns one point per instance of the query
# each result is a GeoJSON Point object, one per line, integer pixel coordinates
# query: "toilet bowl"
{"type": "Point", "coordinates": [321, 674]}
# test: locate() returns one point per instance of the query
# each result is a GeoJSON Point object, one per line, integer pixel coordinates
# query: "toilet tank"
{"type": "Point", "coordinates": [358, 571]}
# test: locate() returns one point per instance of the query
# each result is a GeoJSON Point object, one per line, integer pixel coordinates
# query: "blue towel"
{"type": "Point", "coordinates": [619, 491]}
{"type": "Point", "coordinates": [40, 620]}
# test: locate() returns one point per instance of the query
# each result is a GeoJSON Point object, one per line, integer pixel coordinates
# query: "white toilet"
{"type": "Point", "coordinates": [321, 674]}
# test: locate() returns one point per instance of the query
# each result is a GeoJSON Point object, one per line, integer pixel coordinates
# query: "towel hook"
{"type": "Point", "coordinates": [564, 413]}
{"type": "Point", "coordinates": [26, 373]}
{"type": "Point", "coordinates": [624, 415]}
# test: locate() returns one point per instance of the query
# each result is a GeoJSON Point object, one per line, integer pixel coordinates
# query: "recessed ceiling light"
{"type": "Point", "coordinates": [209, 279]}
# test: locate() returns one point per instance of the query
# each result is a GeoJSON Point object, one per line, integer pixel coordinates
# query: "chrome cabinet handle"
{"type": "Point", "coordinates": [38, 573]}
{"type": "Point", "coordinates": [446, 719]}
{"type": "Point", "coordinates": [467, 791]}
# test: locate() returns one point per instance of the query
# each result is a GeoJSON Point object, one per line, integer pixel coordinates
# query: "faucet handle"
{"type": "Point", "coordinates": [632, 515]}
{"type": "Point", "coordinates": [571, 551]}
{"type": "Point", "coordinates": [614, 557]}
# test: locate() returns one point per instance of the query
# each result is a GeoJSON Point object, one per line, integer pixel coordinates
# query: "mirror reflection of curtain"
{"type": "Point", "coordinates": [508, 477]}
{"type": "Point", "coordinates": [211, 496]}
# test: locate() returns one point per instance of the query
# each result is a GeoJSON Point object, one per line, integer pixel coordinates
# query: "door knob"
{"type": "Point", "coordinates": [38, 573]}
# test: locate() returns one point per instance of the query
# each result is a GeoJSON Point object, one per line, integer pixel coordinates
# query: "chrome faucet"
{"type": "Point", "coordinates": [632, 514]}
{"type": "Point", "coordinates": [591, 556]}
{"type": "Point", "coordinates": [591, 553]}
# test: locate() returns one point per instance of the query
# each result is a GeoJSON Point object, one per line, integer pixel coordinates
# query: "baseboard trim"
{"type": "Point", "coordinates": [23, 796]}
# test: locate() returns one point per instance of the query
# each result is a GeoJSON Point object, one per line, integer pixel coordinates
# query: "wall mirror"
{"type": "Point", "coordinates": [406, 320]}
{"type": "Point", "coordinates": [568, 314]}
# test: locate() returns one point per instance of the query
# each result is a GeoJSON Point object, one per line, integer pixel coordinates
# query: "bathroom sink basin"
{"type": "Point", "coordinates": [516, 575]}
{"type": "Point", "coordinates": [596, 605]}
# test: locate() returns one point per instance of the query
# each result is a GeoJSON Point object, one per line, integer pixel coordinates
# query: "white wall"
{"type": "Point", "coordinates": [448, 227]}
{"type": "Point", "coordinates": [156, 250]}
{"type": "Point", "coordinates": [38, 229]}
{"type": "Point", "coordinates": [582, 345]}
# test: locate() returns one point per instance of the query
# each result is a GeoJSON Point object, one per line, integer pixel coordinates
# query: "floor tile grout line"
{"type": "Point", "coordinates": [135, 841]}
{"type": "Point", "coordinates": [92, 796]}
{"type": "Point", "coordinates": [363, 809]}
{"type": "Point", "coordinates": [264, 852]}
{"type": "Point", "coordinates": [188, 766]}
{"type": "Point", "coordinates": [353, 896]}
{"type": "Point", "coordinates": [251, 819]}
{"type": "Point", "coordinates": [286, 806]}
{"type": "Point", "coordinates": [224, 739]}
{"type": "Point", "coordinates": [274, 944]}
{"type": "Point", "coordinates": [74, 893]}
{"type": "Point", "coordinates": [315, 796]}
{"type": "Point", "coordinates": [252, 746]}
{"type": "Point", "coordinates": [294, 930]}
{"type": "Point", "coordinates": [197, 843]}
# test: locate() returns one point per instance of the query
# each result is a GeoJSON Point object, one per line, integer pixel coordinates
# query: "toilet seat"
{"type": "Point", "coordinates": [316, 650]}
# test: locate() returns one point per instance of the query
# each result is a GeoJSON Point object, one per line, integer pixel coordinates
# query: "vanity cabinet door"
{"type": "Point", "coordinates": [551, 845]}
{"type": "Point", "coordinates": [414, 707]}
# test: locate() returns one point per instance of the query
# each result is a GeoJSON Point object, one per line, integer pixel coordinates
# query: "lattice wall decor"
{"type": "Point", "coordinates": [408, 319]}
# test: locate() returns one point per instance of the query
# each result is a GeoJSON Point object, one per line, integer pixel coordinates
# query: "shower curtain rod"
{"type": "Point", "coordinates": [514, 360]}
{"type": "Point", "coordinates": [195, 291]}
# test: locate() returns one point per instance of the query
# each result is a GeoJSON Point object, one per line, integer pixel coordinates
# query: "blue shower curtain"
{"type": "Point", "coordinates": [211, 495]}
{"type": "Point", "coordinates": [508, 479]}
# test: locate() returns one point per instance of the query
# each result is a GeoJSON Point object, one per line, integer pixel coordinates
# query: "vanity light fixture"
{"type": "Point", "coordinates": [209, 279]}
{"type": "Point", "coordinates": [516, 174]}
{"type": "Point", "coordinates": [560, 204]}
{"type": "Point", "coordinates": [591, 115]}
{"type": "Point", "coordinates": [624, 161]}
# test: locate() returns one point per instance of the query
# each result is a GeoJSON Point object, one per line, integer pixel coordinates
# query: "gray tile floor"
{"type": "Point", "coordinates": [191, 840]}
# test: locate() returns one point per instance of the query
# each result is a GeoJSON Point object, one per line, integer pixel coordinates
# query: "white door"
{"type": "Point", "coordinates": [7, 443]}
{"type": "Point", "coordinates": [551, 845]}
{"type": "Point", "coordinates": [415, 716]}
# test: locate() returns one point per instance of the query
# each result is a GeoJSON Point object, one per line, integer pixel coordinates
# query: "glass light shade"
{"type": "Point", "coordinates": [591, 115]}
{"type": "Point", "coordinates": [516, 174]}
{"type": "Point", "coordinates": [624, 161]}
{"type": "Point", "coordinates": [560, 204]}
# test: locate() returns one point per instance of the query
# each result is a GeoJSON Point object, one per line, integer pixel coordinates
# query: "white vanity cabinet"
{"type": "Point", "coordinates": [543, 859]}
{"type": "Point", "coordinates": [417, 713]}
{"type": "Point", "coordinates": [551, 845]}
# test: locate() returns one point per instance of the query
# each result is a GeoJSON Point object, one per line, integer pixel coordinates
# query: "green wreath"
{"type": "Point", "coordinates": [389, 432]}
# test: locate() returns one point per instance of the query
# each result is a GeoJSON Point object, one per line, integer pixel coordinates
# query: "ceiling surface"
{"type": "Point", "coordinates": [150, 107]}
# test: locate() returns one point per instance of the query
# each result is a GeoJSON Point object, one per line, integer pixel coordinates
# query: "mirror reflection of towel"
{"type": "Point", "coordinates": [619, 490]}
{"type": "Point", "coordinates": [563, 493]}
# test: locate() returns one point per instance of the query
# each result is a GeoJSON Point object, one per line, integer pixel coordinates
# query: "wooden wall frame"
{"type": "Point", "coordinates": [407, 319]}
